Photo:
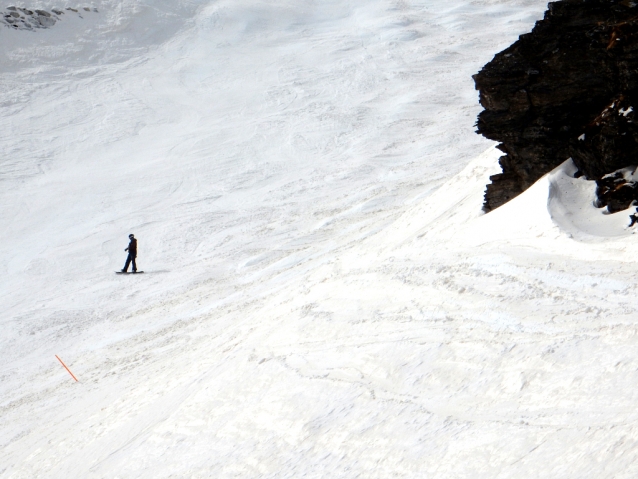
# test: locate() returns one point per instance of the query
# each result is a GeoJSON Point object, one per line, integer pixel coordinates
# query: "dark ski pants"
{"type": "Point", "coordinates": [129, 259]}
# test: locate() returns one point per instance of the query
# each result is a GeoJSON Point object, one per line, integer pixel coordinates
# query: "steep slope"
{"type": "Point", "coordinates": [323, 296]}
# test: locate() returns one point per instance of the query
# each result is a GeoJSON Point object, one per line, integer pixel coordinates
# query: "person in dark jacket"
{"type": "Point", "coordinates": [132, 254]}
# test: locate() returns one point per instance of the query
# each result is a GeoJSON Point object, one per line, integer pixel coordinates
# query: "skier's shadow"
{"type": "Point", "coordinates": [159, 271]}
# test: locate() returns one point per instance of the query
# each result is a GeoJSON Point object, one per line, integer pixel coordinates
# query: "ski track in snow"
{"type": "Point", "coordinates": [322, 297]}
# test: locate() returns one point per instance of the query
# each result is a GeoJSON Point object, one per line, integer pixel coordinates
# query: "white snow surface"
{"type": "Point", "coordinates": [322, 295]}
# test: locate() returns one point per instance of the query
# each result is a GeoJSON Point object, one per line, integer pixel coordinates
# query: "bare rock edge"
{"type": "Point", "coordinates": [567, 89]}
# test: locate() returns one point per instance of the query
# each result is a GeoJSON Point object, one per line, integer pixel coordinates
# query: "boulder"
{"type": "Point", "coordinates": [44, 22]}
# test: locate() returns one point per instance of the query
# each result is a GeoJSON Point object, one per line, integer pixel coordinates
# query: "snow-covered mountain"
{"type": "Point", "coordinates": [322, 295]}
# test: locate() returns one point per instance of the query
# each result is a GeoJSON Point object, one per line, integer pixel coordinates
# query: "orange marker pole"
{"type": "Point", "coordinates": [76, 379]}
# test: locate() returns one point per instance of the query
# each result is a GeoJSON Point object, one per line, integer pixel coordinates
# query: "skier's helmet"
{"type": "Point", "coordinates": [131, 235]}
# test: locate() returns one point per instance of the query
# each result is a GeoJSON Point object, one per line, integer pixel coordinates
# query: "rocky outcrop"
{"type": "Point", "coordinates": [617, 191]}
{"type": "Point", "coordinates": [18, 18]}
{"type": "Point", "coordinates": [567, 89]}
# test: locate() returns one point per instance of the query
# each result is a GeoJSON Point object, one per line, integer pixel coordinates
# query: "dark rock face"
{"type": "Point", "coordinates": [616, 191]}
{"type": "Point", "coordinates": [567, 89]}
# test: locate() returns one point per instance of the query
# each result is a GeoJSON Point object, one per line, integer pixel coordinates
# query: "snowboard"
{"type": "Point", "coordinates": [128, 272]}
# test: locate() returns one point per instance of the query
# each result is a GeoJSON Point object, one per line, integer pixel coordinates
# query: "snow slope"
{"type": "Point", "coordinates": [322, 296]}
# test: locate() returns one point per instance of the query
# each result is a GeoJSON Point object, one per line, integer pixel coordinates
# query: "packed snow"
{"type": "Point", "coordinates": [322, 294]}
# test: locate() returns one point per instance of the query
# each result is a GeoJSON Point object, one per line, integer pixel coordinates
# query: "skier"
{"type": "Point", "coordinates": [132, 254]}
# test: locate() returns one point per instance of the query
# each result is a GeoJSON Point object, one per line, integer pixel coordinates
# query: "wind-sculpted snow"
{"type": "Point", "coordinates": [572, 205]}
{"type": "Point", "coordinates": [322, 295]}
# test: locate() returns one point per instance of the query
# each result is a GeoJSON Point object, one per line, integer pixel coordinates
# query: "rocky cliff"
{"type": "Point", "coordinates": [567, 89]}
